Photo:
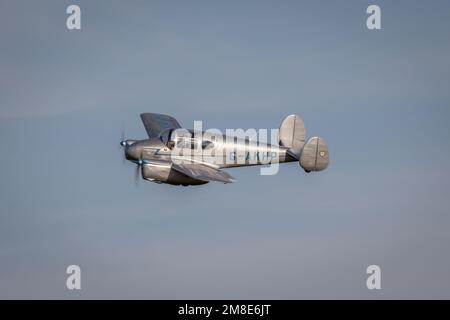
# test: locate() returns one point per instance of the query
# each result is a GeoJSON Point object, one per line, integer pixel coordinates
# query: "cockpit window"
{"type": "Point", "coordinates": [187, 143]}
{"type": "Point", "coordinates": [207, 145]}
{"type": "Point", "coordinates": [182, 138]}
{"type": "Point", "coordinates": [165, 136]}
{"type": "Point", "coordinates": [181, 143]}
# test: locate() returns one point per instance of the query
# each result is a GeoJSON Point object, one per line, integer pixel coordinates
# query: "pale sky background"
{"type": "Point", "coordinates": [381, 99]}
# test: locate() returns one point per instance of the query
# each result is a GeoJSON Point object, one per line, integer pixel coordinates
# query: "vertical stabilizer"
{"type": "Point", "coordinates": [293, 134]}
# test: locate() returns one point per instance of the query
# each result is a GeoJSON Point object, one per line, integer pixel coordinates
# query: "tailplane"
{"type": "Point", "coordinates": [312, 154]}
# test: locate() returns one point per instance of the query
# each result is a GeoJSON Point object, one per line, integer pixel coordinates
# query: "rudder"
{"type": "Point", "coordinates": [314, 156]}
{"type": "Point", "coordinates": [292, 134]}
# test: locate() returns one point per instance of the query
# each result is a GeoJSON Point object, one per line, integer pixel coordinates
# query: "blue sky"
{"type": "Point", "coordinates": [379, 98]}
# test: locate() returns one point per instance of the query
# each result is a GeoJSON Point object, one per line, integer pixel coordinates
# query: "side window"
{"type": "Point", "coordinates": [181, 143]}
{"type": "Point", "coordinates": [207, 145]}
{"type": "Point", "coordinates": [187, 143]}
{"type": "Point", "coordinates": [194, 144]}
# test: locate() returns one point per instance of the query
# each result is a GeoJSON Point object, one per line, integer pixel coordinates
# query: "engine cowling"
{"type": "Point", "coordinates": [156, 171]}
{"type": "Point", "coordinates": [314, 155]}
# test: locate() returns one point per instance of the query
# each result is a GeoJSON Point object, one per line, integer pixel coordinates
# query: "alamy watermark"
{"type": "Point", "coordinates": [73, 21]}
{"type": "Point", "coordinates": [374, 279]}
{"type": "Point", "coordinates": [235, 147]}
{"type": "Point", "coordinates": [73, 281]}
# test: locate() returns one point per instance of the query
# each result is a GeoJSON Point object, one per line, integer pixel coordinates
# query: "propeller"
{"type": "Point", "coordinates": [138, 169]}
{"type": "Point", "coordinates": [123, 142]}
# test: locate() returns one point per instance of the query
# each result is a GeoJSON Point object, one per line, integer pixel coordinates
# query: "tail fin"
{"type": "Point", "coordinates": [293, 134]}
{"type": "Point", "coordinates": [314, 155]}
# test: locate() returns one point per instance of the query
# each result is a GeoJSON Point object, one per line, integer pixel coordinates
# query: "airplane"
{"type": "Point", "coordinates": [179, 156]}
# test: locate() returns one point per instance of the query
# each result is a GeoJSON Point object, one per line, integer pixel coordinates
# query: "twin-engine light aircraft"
{"type": "Point", "coordinates": [185, 157]}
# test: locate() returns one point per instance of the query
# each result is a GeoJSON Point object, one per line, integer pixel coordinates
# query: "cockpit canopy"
{"type": "Point", "coordinates": [183, 138]}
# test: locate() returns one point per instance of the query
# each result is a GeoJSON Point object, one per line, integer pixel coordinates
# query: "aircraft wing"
{"type": "Point", "coordinates": [155, 123]}
{"type": "Point", "coordinates": [203, 172]}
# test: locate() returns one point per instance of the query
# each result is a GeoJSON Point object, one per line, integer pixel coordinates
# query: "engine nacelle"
{"type": "Point", "coordinates": [314, 155]}
{"type": "Point", "coordinates": [156, 171]}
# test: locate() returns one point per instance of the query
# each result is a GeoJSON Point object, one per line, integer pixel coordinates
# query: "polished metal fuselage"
{"type": "Point", "coordinates": [226, 152]}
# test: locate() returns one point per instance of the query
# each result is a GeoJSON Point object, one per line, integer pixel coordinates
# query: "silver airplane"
{"type": "Point", "coordinates": [185, 157]}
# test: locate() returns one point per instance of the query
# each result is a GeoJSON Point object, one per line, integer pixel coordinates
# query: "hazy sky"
{"type": "Point", "coordinates": [381, 100]}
